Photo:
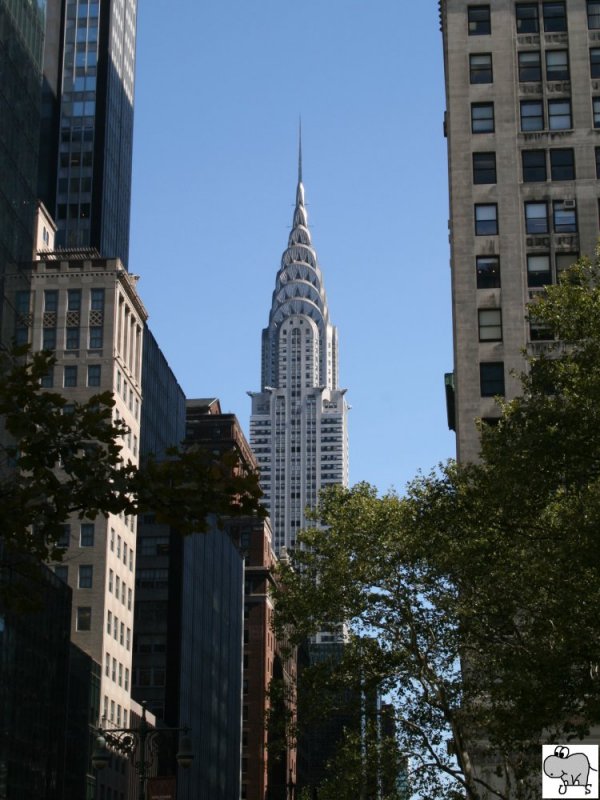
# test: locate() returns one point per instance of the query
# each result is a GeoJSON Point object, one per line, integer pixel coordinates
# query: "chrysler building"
{"type": "Point", "coordinates": [298, 426]}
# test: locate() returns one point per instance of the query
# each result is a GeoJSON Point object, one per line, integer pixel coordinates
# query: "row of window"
{"type": "Point", "coordinates": [527, 17]}
{"type": "Point", "coordinates": [125, 549]}
{"type": "Point", "coordinates": [73, 337]}
{"type": "Point", "coordinates": [118, 673]}
{"type": "Point", "coordinates": [564, 215]}
{"type": "Point", "coordinates": [531, 116]}
{"type": "Point", "coordinates": [70, 379]}
{"type": "Point", "coordinates": [562, 165]}
{"type": "Point", "coordinates": [490, 327]}
{"type": "Point", "coordinates": [530, 66]}
{"type": "Point", "coordinates": [119, 632]}
{"type": "Point", "coordinates": [114, 718]}
{"type": "Point", "coordinates": [539, 269]}
{"type": "Point", "coordinates": [118, 586]}
{"type": "Point", "coordinates": [86, 535]}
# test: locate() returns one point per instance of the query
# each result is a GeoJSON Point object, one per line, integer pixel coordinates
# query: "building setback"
{"type": "Point", "coordinates": [87, 122]}
{"type": "Point", "coordinates": [523, 128]}
{"type": "Point", "coordinates": [298, 425]}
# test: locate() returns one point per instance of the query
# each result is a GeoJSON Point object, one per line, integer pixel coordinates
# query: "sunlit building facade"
{"type": "Point", "coordinates": [298, 426]}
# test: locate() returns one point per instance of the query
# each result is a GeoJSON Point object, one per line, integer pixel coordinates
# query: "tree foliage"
{"type": "Point", "coordinates": [59, 458]}
{"type": "Point", "coordinates": [473, 599]}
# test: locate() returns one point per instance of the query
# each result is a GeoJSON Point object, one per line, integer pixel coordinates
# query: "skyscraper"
{"type": "Point", "coordinates": [21, 52]}
{"type": "Point", "coordinates": [88, 116]}
{"type": "Point", "coordinates": [298, 426]}
{"type": "Point", "coordinates": [523, 128]}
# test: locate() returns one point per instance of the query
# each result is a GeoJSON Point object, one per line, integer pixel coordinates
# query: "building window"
{"type": "Point", "coordinates": [565, 216]}
{"type": "Point", "coordinates": [482, 117]}
{"type": "Point", "coordinates": [596, 107]}
{"type": "Point", "coordinates": [480, 68]}
{"type": "Point", "coordinates": [557, 65]}
{"type": "Point", "coordinates": [64, 539]}
{"type": "Point", "coordinates": [84, 618]}
{"type": "Point", "coordinates": [534, 165]}
{"type": "Point", "coordinates": [50, 300]}
{"type": "Point", "coordinates": [72, 339]}
{"type": "Point", "coordinates": [536, 218]}
{"type": "Point", "coordinates": [490, 324]}
{"type": "Point", "coordinates": [486, 220]}
{"type": "Point", "coordinates": [593, 14]}
{"type": "Point", "coordinates": [488, 272]}
{"type": "Point", "coordinates": [479, 20]}
{"type": "Point", "coordinates": [94, 374]}
{"type": "Point", "coordinates": [86, 538]}
{"type": "Point", "coordinates": [532, 115]}
{"type": "Point", "coordinates": [109, 622]}
{"type": "Point", "coordinates": [562, 164]}
{"type": "Point", "coordinates": [70, 376]}
{"type": "Point", "coordinates": [555, 17]}
{"type": "Point", "coordinates": [559, 115]}
{"type": "Point", "coordinates": [97, 299]}
{"type": "Point", "coordinates": [597, 153]}
{"type": "Point", "coordinates": [47, 381]}
{"type": "Point", "coordinates": [530, 66]}
{"type": "Point", "coordinates": [539, 332]}
{"type": "Point", "coordinates": [74, 300]}
{"type": "Point", "coordinates": [595, 62]}
{"type": "Point", "coordinates": [86, 573]}
{"type": "Point", "coordinates": [564, 260]}
{"type": "Point", "coordinates": [538, 270]}
{"type": "Point", "coordinates": [62, 572]}
{"type": "Point", "coordinates": [95, 337]}
{"type": "Point", "coordinates": [491, 378]}
{"type": "Point", "coordinates": [527, 18]}
{"type": "Point", "coordinates": [49, 339]}
{"type": "Point", "coordinates": [484, 168]}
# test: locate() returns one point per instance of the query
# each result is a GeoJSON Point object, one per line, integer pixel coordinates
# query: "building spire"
{"type": "Point", "coordinates": [300, 149]}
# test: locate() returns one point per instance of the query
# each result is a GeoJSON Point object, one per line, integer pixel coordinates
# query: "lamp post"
{"type": "Point", "coordinates": [139, 746]}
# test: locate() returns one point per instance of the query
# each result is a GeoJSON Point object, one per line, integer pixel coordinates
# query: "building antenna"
{"type": "Point", "coordinates": [300, 149]}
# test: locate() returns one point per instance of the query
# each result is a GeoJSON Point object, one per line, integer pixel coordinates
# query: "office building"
{"type": "Point", "coordinates": [523, 129]}
{"type": "Point", "coordinates": [87, 124]}
{"type": "Point", "coordinates": [88, 312]}
{"type": "Point", "coordinates": [298, 426]}
{"type": "Point", "coordinates": [21, 53]}
{"type": "Point", "coordinates": [34, 670]}
{"type": "Point", "coordinates": [268, 759]}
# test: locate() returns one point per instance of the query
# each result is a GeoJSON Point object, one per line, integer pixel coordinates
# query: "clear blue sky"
{"type": "Point", "coordinates": [219, 88]}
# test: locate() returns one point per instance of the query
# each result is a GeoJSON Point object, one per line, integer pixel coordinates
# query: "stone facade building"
{"type": "Point", "coordinates": [523, 129]}
{"type": "Point", "coordinates": [87, 311]}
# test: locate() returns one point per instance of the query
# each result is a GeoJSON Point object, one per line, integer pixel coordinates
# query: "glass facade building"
{"type": "Point", "coordinates": [90, 196]}
{"type": "Point", "coordinates": [21, 49]}
{"type": "Point", "coordinates": [34, 668]}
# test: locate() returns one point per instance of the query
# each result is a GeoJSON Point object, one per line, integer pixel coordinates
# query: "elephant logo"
{"type": "Point", "coordinates": [574, 771]}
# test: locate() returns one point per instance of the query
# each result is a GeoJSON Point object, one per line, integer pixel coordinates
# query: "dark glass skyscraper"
{"type": "Point", "coordinates": [21, 49]}
{"type": "Point", "coordinates": [89, 102]}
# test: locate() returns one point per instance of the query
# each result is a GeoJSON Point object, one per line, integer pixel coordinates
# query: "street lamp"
{"type": "Point", "coordinates": [139, 745]}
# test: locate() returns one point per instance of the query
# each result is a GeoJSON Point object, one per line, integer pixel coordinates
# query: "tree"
{"type": "Point", "coordinates": [59, 458]}
{"type": "Point", "coordinates": [473, 599]}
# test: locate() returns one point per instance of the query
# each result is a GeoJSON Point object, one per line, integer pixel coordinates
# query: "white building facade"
{"type": "Point", "coordinates": [298, 426]}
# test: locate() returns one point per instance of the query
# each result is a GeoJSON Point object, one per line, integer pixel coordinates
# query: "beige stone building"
{"type": "Point", "coordinates": [86, 309]}
{"type": "Point", "coordinates": [523, 129]}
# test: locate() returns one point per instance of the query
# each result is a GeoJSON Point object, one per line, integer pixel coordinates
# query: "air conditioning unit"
{"type": "Point", "coordinates": [569, 204]}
